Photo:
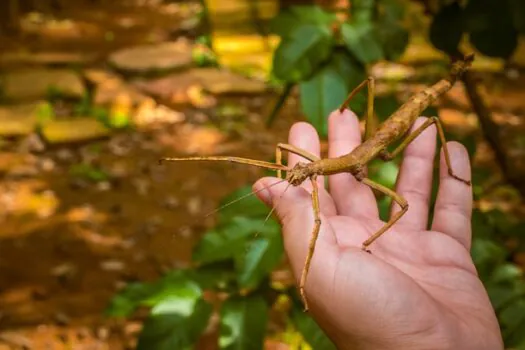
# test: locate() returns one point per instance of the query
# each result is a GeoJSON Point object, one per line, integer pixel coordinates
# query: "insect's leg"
{"type": "Point", "coordinates": [396, 197]}
{"type": "Point", "coordinates": [292, 149]}
{"type": "Point", "coordinates": [385, 155]}
{"type": "Point", "coordinates": [313, 239]}
{"type": "Point", "coordinates": [371, 122]}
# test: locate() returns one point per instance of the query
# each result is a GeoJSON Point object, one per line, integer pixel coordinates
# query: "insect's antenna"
{"type": "Point", "coordinates": [254, 162]}
{"type": "Point", "coordinates": [273, 209]}
{"type": "Point", "coordinates": [243, 197]}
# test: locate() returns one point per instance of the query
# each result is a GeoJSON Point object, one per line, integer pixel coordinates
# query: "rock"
{"type": "Point", "coordinates": [11, 161]}
{"type": "Point", "coordinates": [18, 120]}
{"type": "Point", "coordinates": [29, 84]}
{"type": "Point", "coordinates": [112, 265]}
{"type": "Point", "coordinates": [153, 58]}
{"type": "Point", "coordinates": [110, 88]}
{"type": "Point", "coordinates": [16, 340]}
{"type": "Point", "coordinates": [183, 88]}
{"type": "Point", "coordinates": [219, 82]}
{"type": "Point", "coordinates": [45, 58]}
{"type": "Point", "coordinates": [74, 130]}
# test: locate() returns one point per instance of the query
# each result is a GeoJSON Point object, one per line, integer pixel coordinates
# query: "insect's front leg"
{"type": "Point", "coordinates": [292, 149]}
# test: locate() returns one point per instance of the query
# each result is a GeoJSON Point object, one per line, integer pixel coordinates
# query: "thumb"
{"type": "Point", "coordinates": [283, 197]}
{"type": "Point", "coordinates": [293, 206]}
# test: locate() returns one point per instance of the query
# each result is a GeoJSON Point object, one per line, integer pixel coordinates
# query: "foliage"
{"type": "Point", "coordinates": [328, 56]}
{"type": "Point", "coordinates": [492, 27]}
{"type": "Point", "coordinates": [230, 261]}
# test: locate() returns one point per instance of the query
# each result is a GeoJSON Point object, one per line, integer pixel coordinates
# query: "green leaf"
{"type": "Point", "coordinates": [446, 29]}
{"type": "Point", "coordinates": [392, 35]}
{"type": "Point", "coordinates": [328, 88]}
{"type": "Point", "coordinates": [251, 206]}
{"type": "Point", "coordinates": [262, 256]}
{"type": "Point", "coordinates": [486, 255]}
{"type": "Point", "coordinates": [243, 323]}
{"type": "Point", "coordinates": [299, 55]}
{"type": "Point", "coordinates": [517, 8]}
{"type": "Point", "coordinates": [177, 286]}
{"type": "Point", "coordinates": [124, 303]}
{"type": "Point", "coordinates": [386, 174]}
{"type": "Point", "coordinates": [363, 10]}
{"type": "Point", "coordinates": [362, 41]}
{"type": "Point", "coordinates": [311, 332]}
{"type": "Point", "coordinates": [229, 241]}
{"type": "Point", "coordinates": [294, 16]}
{"type": "Point", "coordinates": [175, 323]}
{"type": "Point", "coordinates": [491, 29]}
{"type": "Point", "coordinates": [512, 321]}
{"type": "Point", "coordinates": [385, 106]}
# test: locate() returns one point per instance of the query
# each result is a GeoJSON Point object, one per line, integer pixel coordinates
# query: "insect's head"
{"type": "Point", "coordinates": [298, 174]}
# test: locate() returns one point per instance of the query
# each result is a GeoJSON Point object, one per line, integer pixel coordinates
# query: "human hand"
{"type": "Point", "coordinates": [418, 289]}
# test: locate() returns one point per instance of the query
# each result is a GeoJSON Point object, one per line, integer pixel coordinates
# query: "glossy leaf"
{"type": "Point", "coordinates": [491, 29]}
{"type": "Point", "coordinates": [228, 241]}
{"type": "Point", "coordinates": [262, 256]}
{"type": "Point", "coordinates": [362, 10]}
{"type": "Point", "coordinates": [243, 323]}
{"type": "Point", "coordinates": [362, 41]}
{"type": "Point", "coordinates": [300, 54]}
{"type": "Point", "coordinates": [128, 299]}
{"type": "Point", "coordinates": [294, 16]}
{"type": "Point", "coordinates": [517, 9]}
{"type": "Point", "coordinates": [327, 89]}
{"type": "Point", "coordinates": [249, 206]}
{"type": "Point", "coordinates": [390, 30]}
{"type": "Point", "coordinates": [175, 323]}
{"type": "Point", "coordinates": [446, 29]}
{"type": "Point", "coordinates": [310, 330]}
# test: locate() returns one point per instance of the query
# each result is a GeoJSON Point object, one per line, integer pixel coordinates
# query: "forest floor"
{"type": "Point", "coordinates": [86, 209]}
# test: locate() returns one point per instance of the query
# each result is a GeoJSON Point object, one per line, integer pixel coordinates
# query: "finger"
{"type": "Point", "coordinates": [415, 177]}
{"type": "Point", "coordinates": [304, 136]}
{"type": "Point", "coordinates": [351, 197]}
{"type": "Point", "coordinates": [293, 206]}
{"type": "Point", "coordinates": [453, 209]}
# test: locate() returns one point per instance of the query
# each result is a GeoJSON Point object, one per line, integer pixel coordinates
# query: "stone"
{"type": "Point", "coordinates": [177, 87]}
{"type": "Point", "coordinates": [45, 58]}
{"type": "Point", "coordinates": [153, 58]}
{"type": "Point", "coordinates": [74, 130]}
{"type": "Point", "coordinates": [109, 87]}
{"type": "Point", "coordinates": [18, 120]}
{"type": "Point", "coordinates": [36, 83]}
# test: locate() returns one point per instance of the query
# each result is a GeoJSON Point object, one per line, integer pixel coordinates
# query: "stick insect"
{"type": "Point", "coordinates": [395, 128]}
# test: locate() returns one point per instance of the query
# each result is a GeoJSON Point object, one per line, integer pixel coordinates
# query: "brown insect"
{"type": "Point", "coordinates": [375, 145]}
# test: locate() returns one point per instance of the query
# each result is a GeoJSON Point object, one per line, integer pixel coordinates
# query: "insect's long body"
{"type": "Point", "coordinates": [391, 130]}
{"type": "Point", "coordinates": [395, 128]}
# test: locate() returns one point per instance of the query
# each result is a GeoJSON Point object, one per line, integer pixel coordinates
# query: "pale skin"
{"type": "Point", "coordinates": [418, 289]}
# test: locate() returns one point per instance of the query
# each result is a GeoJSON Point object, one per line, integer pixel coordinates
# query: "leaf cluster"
{"type": "Point", "coordinates": [229, 262]}
{"type": "Point", "coordinates": [492, 27]}
{"type": "Point", "coordinates": [327, 56]}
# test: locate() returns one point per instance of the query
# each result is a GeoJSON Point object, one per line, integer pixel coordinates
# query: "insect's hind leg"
{"type": "Point", "coordinates": [313, 239]}
{"type": "Point", "coordinates": [396, 197]}
{"type": "Point", "coordinates": [386, 156]}
{"type": "Point", "coordinates": [292, 149]}
{"type": "Point", "coordinates": [371, 122]}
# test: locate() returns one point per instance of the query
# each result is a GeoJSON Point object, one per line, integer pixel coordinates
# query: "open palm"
{"type": "Point", "coordinates": [418, 289]}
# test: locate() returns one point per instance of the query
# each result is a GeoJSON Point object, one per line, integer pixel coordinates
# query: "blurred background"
{"type": "Point", "coordinates": [102, 248]}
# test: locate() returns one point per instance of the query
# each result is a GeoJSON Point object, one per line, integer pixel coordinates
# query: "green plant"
{"type": "Point", "coordinates": [327, 57]}
{"type": "Point", "coordinates": [230, 262]}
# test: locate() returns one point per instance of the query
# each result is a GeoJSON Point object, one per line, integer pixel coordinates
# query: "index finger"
{"type": "Point", "coordinates": [453, 209]}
